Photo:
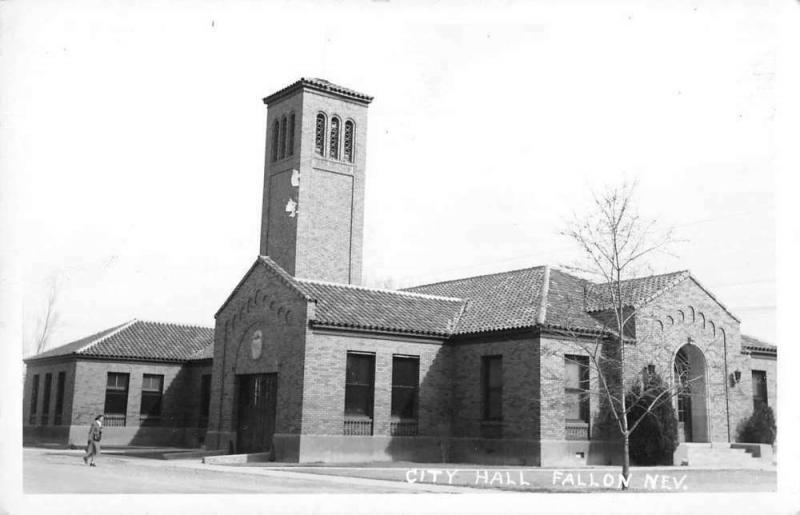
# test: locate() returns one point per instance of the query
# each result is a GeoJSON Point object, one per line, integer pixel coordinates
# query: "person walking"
{"type": "Point", "coordinates": [93, 446]}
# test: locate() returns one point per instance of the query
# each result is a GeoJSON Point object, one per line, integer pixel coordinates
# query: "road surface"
{"type": "Point", "coordinates": [62, 471]}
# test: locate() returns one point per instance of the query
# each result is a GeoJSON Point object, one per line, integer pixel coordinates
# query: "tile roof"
{"type": "Point", "coordinates": [319, 85]}
{"type": "Point", "coordinates": [139, 339]}
{"type": "Point", "coordinates": [345, 305]}
{"type": "Point", "coordinates": [505, 300]}
{"type": "Point", "coordinates": [518, 299]}
{"type": "Point", "coordinates": [635, 292]}
{"type": "Point", "coordinates": [754, 344]}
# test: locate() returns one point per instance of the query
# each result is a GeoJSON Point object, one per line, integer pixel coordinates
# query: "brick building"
{"type": "Point", "coordinates": [151, 380]}
{"type": "Point", "coordinates": [491, 369]}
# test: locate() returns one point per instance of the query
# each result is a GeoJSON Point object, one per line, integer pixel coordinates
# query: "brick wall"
{"type": "Point", "coordinates": [262, 302]}
{"type": "Point", "coordinates": [324, 240]}
{"type": "Point", "coordinates": [326, 360]}
{"type": "Point", "coordinates": [52, 367]}
{"type": "Point", "coordinates": [688, 312]}
{"type": "Point", "coordinates": [90, 391]}
{"type": "Point", "coordinates": [554, 349]}
{"type": "Point", "coordinates": [520, 385]}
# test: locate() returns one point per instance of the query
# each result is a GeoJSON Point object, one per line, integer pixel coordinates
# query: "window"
{"type": "Point", "coordinates": [319, 135]}
{"type": "Point", "coordinates": [48, 385]}
{"type": "Point", "coordinates": [358, 393]}
{"type": "Point", "coordinates": [57, 418]}
{"type": "Point", "coordinates": [116, 399]}
{"type": "Point", "coordinates": [759, 389]}
{"type": "Point", "coordinates": [275, 136]}
{"type": "Point", "coordinates": [405, 395]}
{"type": "Point", "coordinates": [492, 387]}
{"type": "Point", "coordinates": [34, 400]}
{"type": "Point", "coordinates": [290, 150]}
{"type": "Point", "coordinates": [152, 388]}
{"type": "Point", "coordinates": [348, 141]}
{"type": "Point", "coordinates": [283, 137]}
{"type": "Point", "coordinates": [205, 399]}
{"type": "Point", "coordinates": [576, 388]}
{"type": "Point", "coordinates": [333, 153]}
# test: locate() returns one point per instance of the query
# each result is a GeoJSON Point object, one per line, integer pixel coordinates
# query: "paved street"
{"type": "Point", "coordinates": [62, 471]}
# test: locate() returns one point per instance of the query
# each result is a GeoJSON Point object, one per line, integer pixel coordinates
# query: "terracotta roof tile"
{"type": "Point", "coordinates": [513, 300]}
{"type": "Point", "coordinates": [382, 310]}
{"type": "Point", "coordinates": [142, 340]}
{"type": "Point", "coordinates": [499, 301]}
{"type": "Point", "coordinates": [319, 85]}
{"type": "Point", "coordinates": [754, 344]}
{"type": "Point", "coordinates": [635, 292]}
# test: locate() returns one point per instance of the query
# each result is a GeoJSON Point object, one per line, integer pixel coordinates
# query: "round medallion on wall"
{"type": "Point", "coordinates": [256, 344]}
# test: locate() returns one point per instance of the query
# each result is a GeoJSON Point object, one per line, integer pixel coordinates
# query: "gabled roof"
{"type": "Point", "coordinates": [137, 339]}
{"type": "Point", "coordinates": [343, 305]}
{"type": "Point", "coordinates": [275, 269]}
{"type": "Point", "coordinates": [751, 344]}
{"type": "Point", "coordinates": [635, 292]}
{"type": "Point", "coordinates": [641, 290]}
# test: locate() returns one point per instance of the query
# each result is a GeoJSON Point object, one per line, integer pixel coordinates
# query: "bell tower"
{"type": "Point", "coordinates": [313, 206]}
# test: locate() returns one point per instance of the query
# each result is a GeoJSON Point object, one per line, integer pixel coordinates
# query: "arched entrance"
{"type": "Point", "coordinates": [690, 372]}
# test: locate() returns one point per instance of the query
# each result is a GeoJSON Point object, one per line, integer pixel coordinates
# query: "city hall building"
{"type": "Point", "coordinates": [311, 366]}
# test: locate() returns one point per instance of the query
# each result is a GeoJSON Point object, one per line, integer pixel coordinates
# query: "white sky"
{"type": "Point", "coordinates": [134, 141]}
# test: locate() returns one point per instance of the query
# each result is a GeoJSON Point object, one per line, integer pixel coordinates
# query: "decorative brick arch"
{"type": "Point", "coordinates": [690, 367]}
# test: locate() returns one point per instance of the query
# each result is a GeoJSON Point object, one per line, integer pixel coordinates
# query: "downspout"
{"type": "Point", "coordinates": [727, 407]}
{"type": "Point", "coordinates": [222, 385]}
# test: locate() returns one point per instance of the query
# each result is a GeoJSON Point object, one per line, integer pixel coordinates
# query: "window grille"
{"type": "Point", "coordinates": [334, 140]}
{"type": "Point", "coordinates": [348, 141]}
{"type": "Point", "coordinates": [319, 135]}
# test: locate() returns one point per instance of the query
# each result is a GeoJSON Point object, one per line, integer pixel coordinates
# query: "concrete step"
{"type": "Point", "coordinates": [717, 455]}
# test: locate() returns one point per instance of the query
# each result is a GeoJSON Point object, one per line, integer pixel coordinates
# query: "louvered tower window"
{"type": "Point", "coordinates": [275, 134]}
{"type": "Point", "coordinates": [348, 141]}
{"type": "Point", "coordinates": [283, 137]}
{"type": "Point", "coordinates": [319, 135]}
{"type": "Point", "coordinates": [290, 150]}
{"type": "Point", "coordinates": [334, 141]}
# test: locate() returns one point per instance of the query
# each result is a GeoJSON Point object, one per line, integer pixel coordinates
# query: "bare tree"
{"type": "Point", "coordinates": [615, 242]}
{"type": "Point", "coordinates": [49, 320]}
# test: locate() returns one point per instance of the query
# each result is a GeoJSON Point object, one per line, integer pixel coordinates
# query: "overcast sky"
{"type": "Point", "coordinates": [136, 138]}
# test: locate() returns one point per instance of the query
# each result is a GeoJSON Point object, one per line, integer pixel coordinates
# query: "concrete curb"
{"type": "Point", "coordinates": [236, 459]}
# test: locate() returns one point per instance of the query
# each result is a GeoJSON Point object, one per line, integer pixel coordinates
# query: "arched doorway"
{"type": "Point", "coordinates": [690, 372]}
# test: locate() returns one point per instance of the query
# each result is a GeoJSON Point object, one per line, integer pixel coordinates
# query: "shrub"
{"type": "Point", "coordinates": [759, 427]}
{"type": "Point", "coordinates": [656, 437]}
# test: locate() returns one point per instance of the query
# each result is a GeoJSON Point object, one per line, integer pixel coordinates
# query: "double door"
{"type": "Point", "coordinates": [255, 421]}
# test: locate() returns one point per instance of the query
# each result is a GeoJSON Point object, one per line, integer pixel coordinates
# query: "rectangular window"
{"type": "Point", "coordinates": [759, 389]}
{"type": "Point", "coordinates": [492, 387]}
{"type": "Point", "coordinates": [152, 390]}
{"type": "Point", "coordinates": [34, 400]}
{"type": "Point", "coordinates": [116, 405]}
{"type": "Point", "coordinates": [48, 386]}
{"type": "Point", "coordinates": [205, 399]}
{"type": "Point", "coordinates": [405, 395]}
{"type": "Point", "coordinates": [359, 393]}
{"type": "Point", "coordinates": [58, 417]}
{"type": "Point", "coordinates": [576, 388]}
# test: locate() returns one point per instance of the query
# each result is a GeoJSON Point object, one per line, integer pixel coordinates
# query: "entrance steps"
{"type": "Point", "coordinates": [724, 455]}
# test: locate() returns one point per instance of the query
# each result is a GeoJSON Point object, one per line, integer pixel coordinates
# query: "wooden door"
{"type": "Point", "coordinates": [256, 412]}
